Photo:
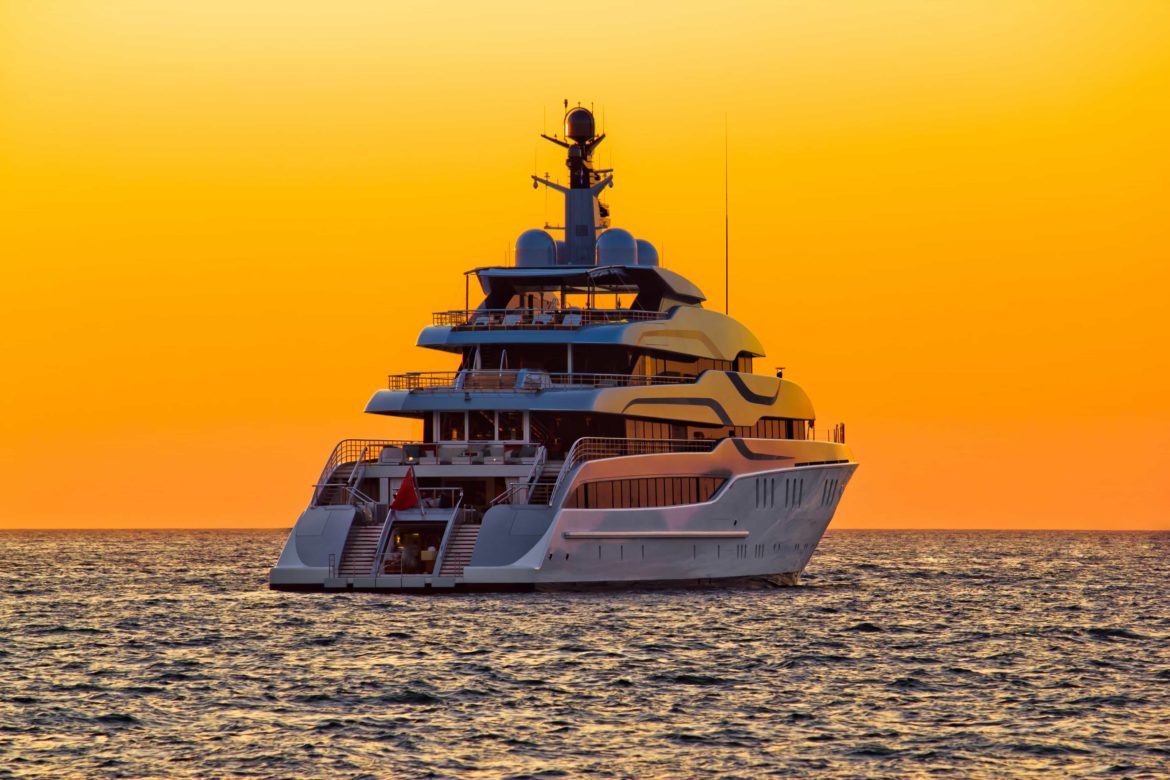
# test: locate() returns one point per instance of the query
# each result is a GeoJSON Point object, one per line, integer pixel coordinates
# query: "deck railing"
{"type": "Point", "coordinates": [356, 451]}
{"type": "Point", "coordinates": [524, 380]}
{"type": "Point", "coordinates": [511, 319]}
{"type": "Point", "coordinates": [835, 434]}
{"type": "Point", "coordinates": [526, 487]}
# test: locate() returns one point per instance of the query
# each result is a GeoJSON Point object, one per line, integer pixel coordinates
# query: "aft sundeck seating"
{"type": "Point", "coordinates": [467, 455]}
{"type": "Point", "coordinates": [572, 319]}
{"type": "Point", "coordinates": [452, 453]}
{"type": "Point", "coordinates": [512, 320]}
{"type": "Point", "coordinates": [526, 454]}
{"type": "Point", "coordinates": [412, 453]}
{"type": "Point", "coordinates": [391, 455]}
{"type": "Point", "coordinates": [542, 319]}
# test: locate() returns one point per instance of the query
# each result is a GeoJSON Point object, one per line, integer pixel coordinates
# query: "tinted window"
{"type": "Point", "coordinates": [511, 427]}
{"type": "Point", "coordinates": [451, 426]}
{"type": "Point", "coordinates": [482, 425]}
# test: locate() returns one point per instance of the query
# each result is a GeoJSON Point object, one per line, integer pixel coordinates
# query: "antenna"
{"type": "Point", "coordinates": [726, 228]}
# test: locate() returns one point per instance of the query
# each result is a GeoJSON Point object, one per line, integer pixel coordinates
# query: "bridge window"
{"type": "Point", "coordinates": [650, 366]}
{"type": "Point", "coordinates": [478, 425]}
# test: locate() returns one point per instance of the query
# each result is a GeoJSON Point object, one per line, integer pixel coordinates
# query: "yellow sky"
{"type": "Point", "coordinates": [222, 223]}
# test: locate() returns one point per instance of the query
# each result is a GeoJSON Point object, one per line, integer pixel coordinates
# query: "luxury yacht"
{"type": "Point", "coordinates": [602, 429]}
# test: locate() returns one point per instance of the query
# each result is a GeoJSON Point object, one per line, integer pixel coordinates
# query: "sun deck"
{"type": "Point", "coordinates": [546, 319]}
{"type": "Point", "coordinates": [523, 380]}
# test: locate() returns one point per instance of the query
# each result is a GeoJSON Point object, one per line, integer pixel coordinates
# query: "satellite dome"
{"type": "Point", "coordinates": [535, 248]}
{"type": "Point", "coordinates": [617, 247]}
{"type": "Point", "coordinates": [579, 125]}
{"type": "Point", "coordinates": [647, 254]}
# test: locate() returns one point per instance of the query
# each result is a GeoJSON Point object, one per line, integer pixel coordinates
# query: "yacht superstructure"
{"type": "Point", "coordinates": [602, 429]}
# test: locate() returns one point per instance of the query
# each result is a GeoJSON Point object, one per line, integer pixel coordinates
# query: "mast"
{"type": "Point", "coordinates": [584, 214]}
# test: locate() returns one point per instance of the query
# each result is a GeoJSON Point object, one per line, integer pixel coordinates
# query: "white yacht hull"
{"type": "Point", "coordinates": [731, 537]}
{"type": "Point", "coordinates": [749, 533]}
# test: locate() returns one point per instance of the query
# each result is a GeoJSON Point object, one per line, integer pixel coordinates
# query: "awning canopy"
{"type": "Point", "coordinates": [649, 281]}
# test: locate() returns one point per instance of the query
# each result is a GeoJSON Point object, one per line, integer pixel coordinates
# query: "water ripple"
{"type": "Point", "coordinates": [979, 655]}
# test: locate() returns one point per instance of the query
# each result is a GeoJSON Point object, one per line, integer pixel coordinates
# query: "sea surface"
{"type": "Point", "coordinates": [902, 654]}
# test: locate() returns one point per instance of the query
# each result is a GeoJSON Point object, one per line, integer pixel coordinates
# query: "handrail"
{"type": "Point", "coordinates": [417, 380]}
{"type": "Point", "coordinates": [359, 496]}
{"type": "Point", "coordinates": [383, 537]}
{"type": "Point", "coordinates": [448, 532]}
{"type": "Point", "coordinates": [513, 319]}
{"type": "Point", "coordinates": [358, 466]}
{"type": "Point", "coordinates": [597, 448]}
{"type": "Point", "coordinates": [520, 380]}
{"type": "Point", "coordinates": [349, 450]}
{"type": "Point", "coordinates": [528, 484]}
{"type": "Point", "coordinates": [508, 494]}
{"type": "Point", "coordinates": [836, 434]}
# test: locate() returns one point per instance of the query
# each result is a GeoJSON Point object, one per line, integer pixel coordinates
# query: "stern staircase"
{"type": "Point", "coordinates": [334, 493]}
{"type": "Point", "coordinates": [459, 550]}
{"type": "Point", "coordinates": [361, 546]}
{"type": "Point", "coordinates": [541, 490]}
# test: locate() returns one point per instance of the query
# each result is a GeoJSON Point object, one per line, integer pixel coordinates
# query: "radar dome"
{"type": "Point", "coordinates": [535, 248]}
{"type": "Point", "coordinates": [579, 125]}
{"type": "Point", "coordinates": [617, 247]}
{"type": "Point", "coordinates": [647, 254]}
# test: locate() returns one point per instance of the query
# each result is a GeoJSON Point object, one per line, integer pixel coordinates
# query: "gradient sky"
{"type": "Point", "coordinates": [224, 222]}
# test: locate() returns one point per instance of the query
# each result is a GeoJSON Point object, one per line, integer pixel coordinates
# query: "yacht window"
{"type": "Point", "coordinates": [511, 426]}
{"type": "Point", "coordinates": [452, 426]}
{"type": "Point", "coordinates": [482, 425]}
{"type": "Point", "coordinates": [642, 492]}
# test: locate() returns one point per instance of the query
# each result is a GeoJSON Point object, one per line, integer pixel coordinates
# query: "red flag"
{"type": "Point", "coordinates": [407, 495]}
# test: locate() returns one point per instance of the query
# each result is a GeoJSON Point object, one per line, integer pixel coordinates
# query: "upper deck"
{"type": "Point", "coordinates": [539, 319]}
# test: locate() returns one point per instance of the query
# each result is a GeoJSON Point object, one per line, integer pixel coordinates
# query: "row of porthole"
{"type": "Point", "coordinates": [777, 547]}
{"type": "Point", "coordinates": [831, 491]}
{"type": "Point", "coordinates": [741, 551]}
{"type": "Point", "coordinates": [766, 492]}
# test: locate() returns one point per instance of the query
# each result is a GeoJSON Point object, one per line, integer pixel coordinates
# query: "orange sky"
{"type": "Point", "coordinates": [222, 223]}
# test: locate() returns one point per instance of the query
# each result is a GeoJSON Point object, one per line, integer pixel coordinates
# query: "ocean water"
{"type": "Point", "coordinates": [973, 655]}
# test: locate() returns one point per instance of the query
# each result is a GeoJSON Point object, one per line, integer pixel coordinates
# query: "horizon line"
{"type": "Point", "coordinates": [932, 529]}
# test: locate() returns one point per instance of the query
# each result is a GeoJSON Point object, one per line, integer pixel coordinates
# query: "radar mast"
{"type": "Point", "coordinates": [584, 214]}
